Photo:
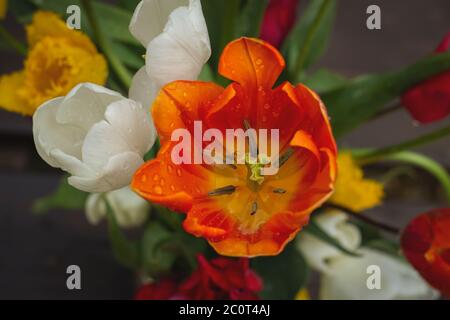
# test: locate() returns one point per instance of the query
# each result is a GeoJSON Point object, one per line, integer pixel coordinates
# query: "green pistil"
{"type": "Point", "coordinates": [255, 169]}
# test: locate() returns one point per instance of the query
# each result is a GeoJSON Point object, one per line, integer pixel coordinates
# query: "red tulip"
{"type": "Point", "coordinates": [426, 244]}
{"type": "Point", "coordinates": [278, 20]}
{"type": "Point", "coordinates": [429, 101]}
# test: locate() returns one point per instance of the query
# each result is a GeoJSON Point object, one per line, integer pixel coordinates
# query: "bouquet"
{"type": "Point", "coordinates": [207, 127]}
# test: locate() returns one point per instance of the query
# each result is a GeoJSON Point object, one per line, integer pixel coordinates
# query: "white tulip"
{"type": "Point", "coordinates": [348, 279]}
{"type": "Point", "coordinates": [95, 134]}
{"type": "Point", "coordinates": [175, 35]}
{"type": "Point", "coordinates": [129, 209]}
{"type": "Point", "coordinates": [317, 252]}
{"type": "Point", "coordinates": [345, 277]}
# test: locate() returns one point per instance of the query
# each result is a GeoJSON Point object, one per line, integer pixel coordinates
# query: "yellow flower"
{"type": "Point", "coordinates": [352, 190]}
{"type": "Point", "coordinates": [3, 8]}
{"type": "Point", "coordinates": [58, 59]}
{"type": "Point", "coordinates": [303, 294]}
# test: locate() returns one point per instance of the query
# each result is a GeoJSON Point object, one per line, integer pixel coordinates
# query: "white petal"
{"type": "Point", "coordinates": [143, 89]}
{"type": "Point", "coordinates": [129, 209]}
{"type": "Point", "coordinates": [116, 174]}
{"type": "Point", "coordinates": [95, 208]}
{"type": "Point", "coordinates": [150, 17]}
{"type": "Point", "coordinates": [335, 223]}
{"type": "Point", "coordinates": [49, 135]}
{"type": "Point", "coordinates": [349, 279]}
{"type": "Point", "coordinates": [180, 52]}
{"type": "Point", "coordinates": [85, 105]}
{"type": "Point", "coordinates": [317, 252]}
{"type": "Point", "coordinates": [126, 128]}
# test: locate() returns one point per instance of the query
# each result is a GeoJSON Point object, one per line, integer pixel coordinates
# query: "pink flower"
{"type": "Point", "coordinates": [279, 19]}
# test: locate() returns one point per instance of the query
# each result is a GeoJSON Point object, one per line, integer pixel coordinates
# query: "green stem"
{"type": "Point", "coordinates": [386, 111]}
{"type": "Point", "coordinates": [122, 72]}
{"type": "Point", "coordinates": [427, 164]}
{"type": "Point", "coordinates": [301, 58]}
{"type": "Point", "coordinates": [13, 42]}
{"type": "Point", "coordinates": [368, 156]}
{"type": "Point", "coordinates": [365, 219]}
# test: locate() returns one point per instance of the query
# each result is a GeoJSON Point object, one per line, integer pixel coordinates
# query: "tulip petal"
{"type": "Point", "coordinates": [180, 103]}
{"type": "Point", "coordinates": [252, 63]}
{"type": "Point", "coordinates": [142, 89]}
{"type": "Point", "coordinates": [150, 17]}
{"type": "Point", "coordinates": [49, 135]}
{"type": "Point", "coordinates": [182, 49]}
{"type": "Point", "coordinates": [425, 243]}
{"type": "Point", "coordinates": [126, 128]}
{"type": "Point", "coordinates": [116, 174]}
{"type": "Point", "coordinates": [317, 252]}
{"type": "Point", "coordinates": [85, 105]}
{"type": "Point", "coordinates": [348, 279]}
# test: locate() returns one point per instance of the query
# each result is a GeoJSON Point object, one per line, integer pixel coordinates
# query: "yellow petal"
{"type": "Point", "coordinates": [49, 24]}
{"type": "Point", "coordinates": [55, 65]}
{"type": "Point", "coordinates": [352, 190]}
{"type": "Point", "coordinates": [10, 99]}
{"type": "Point", "coordinates": [3, 8]}
{"type": "Point", "coordinates": [303, 294]}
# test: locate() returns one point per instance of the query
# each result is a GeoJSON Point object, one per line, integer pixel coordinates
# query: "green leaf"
{"type": "Point", "coordinates": [325, 80]}
{"type": "Point", "coordinates": [129, 5]}
{"type": "Point", "coordinates": [158, 254]}
{"type": "Point", "coordinates": [314, 229]}
{"type": "Point", "coordinates": [386, 246]}
{"type": "Point", "coordinates": [21, 10]}
{"type": "Point", "coordinates": [220, 18]}
{"type": "Point", "coordinates": [113, 20]}
{"type": "Point", "coordinates": [283, 275]}
{"type": "Point", "coordinates": [431, 166]}
{"type": "Point", "coordinates": [131, 56]}
{"type": "Point", "coordinates": [363, 97]}
{"type": "Point", "coordinates": [251, 18]}
{"type": "Point", "coordinates": [206, 74]}
{"type": "Point", "coordinates": [65, 197]}
{"type": "Point", "coordinates": [308, 39]}
{"type": "Point", "coordinates": [125, 251]}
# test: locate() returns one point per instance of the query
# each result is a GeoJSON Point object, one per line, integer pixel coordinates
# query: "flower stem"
{"type": "Point", "coordinates": [427, 164]}
{"type": "Point", "coordinates": [363, 218]}
{"type": "Point", "coordinates": [122, 72]}
{"type": "Point", "coordinates": [386, 111]}
{"type": "Point", "coordinates": [13, 42]}
{"type": "Point", "coordinates": [367, 156]}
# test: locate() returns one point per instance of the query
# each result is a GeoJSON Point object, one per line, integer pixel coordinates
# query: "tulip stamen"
{"type": "Point", "coordinates": [222, 191]}
{"type": "Point", "coordinates": [285, 157]}
{"type": "Point", "coordinates": [254, 208]}
{"type": "Point", "coordinates": [279, 190]}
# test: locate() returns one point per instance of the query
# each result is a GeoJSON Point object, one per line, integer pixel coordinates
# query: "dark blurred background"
{"type": "Point", "coordinates": [36, 250]}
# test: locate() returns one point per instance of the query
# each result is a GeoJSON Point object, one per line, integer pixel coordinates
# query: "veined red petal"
{"type": "Point", "coordinates": [426, 244]}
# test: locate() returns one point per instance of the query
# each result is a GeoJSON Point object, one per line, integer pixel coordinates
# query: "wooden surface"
{"type": "Point", "coordinates": [35, 250]}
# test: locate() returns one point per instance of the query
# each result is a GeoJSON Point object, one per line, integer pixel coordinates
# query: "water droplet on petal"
{"type": "Point", "coordinates": [157, 189]}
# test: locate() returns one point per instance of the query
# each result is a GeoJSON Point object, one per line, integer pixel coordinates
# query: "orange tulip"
{"type": "Point", "coordinates": [236, 214]}
{"type": "Point", "coordinates": [426, 244]}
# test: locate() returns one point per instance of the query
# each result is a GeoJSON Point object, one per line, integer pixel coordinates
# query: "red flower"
{"type": "Point", "coordinates": [219, 279]}
{"type": "Point", "coordinates": [164, 289]}
{"type": "Point", "coordinates": [429, 101]}
{"type": "Point", "coordinates": [222, 278]}
{"type": "Point", "coordinates": [239, 211]}
{"type": "Point", "coordinates": [426, 244]}
{"type": "Point", "coordinates": [278, 20]}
